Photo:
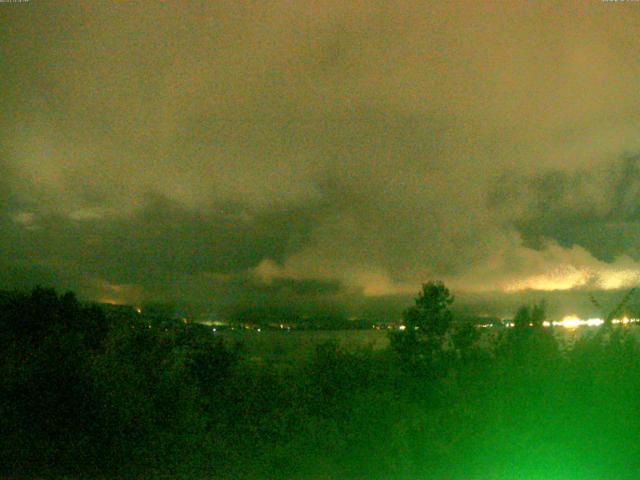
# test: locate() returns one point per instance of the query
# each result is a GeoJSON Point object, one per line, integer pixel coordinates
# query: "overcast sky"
{"type": "Point", "coordinates": [195, 149]}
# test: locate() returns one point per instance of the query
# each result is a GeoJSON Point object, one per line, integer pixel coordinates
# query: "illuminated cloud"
{"type": "Point", "coordinates": [368, 144]}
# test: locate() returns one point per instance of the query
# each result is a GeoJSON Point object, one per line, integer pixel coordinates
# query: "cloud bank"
{"type": "Point", "coordinates": [165, 150]}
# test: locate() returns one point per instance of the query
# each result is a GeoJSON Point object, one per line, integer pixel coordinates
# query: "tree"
{"type": "Point", "coordinates": [431, 313]}
{"type": "Point", "coordinates": [528, 343]}
{"type": "Point", "coordinates": [538, 314]}
{"type": "Point", "coordinates": [421, 342]}
{"type": "Point", "coordinates": [464, 338]}
{"type": "Point", "coordinates": [532, 316]}
{"type": "Point", "coordinates": [46, 409]}
{"type": "Point", "coordinates": [521, 318]}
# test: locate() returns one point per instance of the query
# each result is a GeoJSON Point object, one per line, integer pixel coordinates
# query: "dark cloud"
{"type": "Point", "coordinates": [163, 240]}
{"type": "Point", "coordinates": [597, 209]}
{"type": "Point", "coordinates": [163, 150]}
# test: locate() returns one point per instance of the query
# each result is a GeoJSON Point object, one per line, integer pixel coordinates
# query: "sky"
{"type": "Point", "coordinates": [211, 151]}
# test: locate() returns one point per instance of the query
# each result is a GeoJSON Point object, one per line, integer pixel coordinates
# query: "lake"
{"type": "Point", "coordinates": [277, 346]}
{"type": "Point", "coordinates": [285, 346]}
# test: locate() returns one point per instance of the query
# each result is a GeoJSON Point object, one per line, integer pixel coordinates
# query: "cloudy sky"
{"type": "Point", "coordinates": [190, 150]}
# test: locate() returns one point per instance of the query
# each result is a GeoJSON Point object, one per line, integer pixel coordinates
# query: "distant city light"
{"type": "Point", "coordinates": [569, 322]}
{"type": "Point", "coordinates": [573, 321]}
{"type": "Point", "coordinates": [594, 322]}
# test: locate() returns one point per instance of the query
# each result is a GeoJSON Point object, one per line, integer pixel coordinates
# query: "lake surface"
{"type": "Point", "coordinates": [291, 345]}
{"type": "Point", "coordinates": [277, 346]}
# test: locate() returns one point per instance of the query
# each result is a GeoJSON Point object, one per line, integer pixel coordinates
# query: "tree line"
{"type": "Point", "coordinates": [90, 395]}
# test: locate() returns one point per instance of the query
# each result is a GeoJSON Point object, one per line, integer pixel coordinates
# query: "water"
{"type": "Point", "coordinates": [276, 346]}
{"type": "Point", "coordinates": [293, 345]}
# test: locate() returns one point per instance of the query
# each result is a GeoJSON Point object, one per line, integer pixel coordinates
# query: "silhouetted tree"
{"type": "Point", "coordinates": [538, 314]}
{"type": "Point", "coordinates": [530, 316]}
{"type": "Point", "coordinates": [422, 342]}
{"type": "Point", "coordinates": [528, 342]}
{"type": "Point", "coordinates": [431, 313]}
{"type": "Point", "coordinates": [464, 337]}
{"type": "Point", "coordinates": [46, 341]}
{"type": "Point", "coordinates": [522, 317]}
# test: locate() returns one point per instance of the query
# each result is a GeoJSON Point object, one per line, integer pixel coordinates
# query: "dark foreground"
{"type": "Point", "coordinates": [84, 395]}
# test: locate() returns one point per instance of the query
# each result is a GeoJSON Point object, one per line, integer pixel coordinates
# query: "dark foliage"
{"type": "Point", "coordinates": [423, 344]}
{"type": "Point", "coordinates": [81, 393]}
{"type": "Point", "coordinates": [89, 395]}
